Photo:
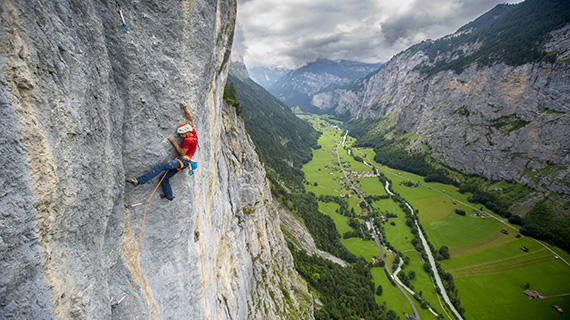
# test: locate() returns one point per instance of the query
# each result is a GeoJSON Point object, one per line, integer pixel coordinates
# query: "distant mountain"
{"type": "Point", "coordinates": [284, 141]}
{"type": "Point", "coordinates": [265, 76]}
{"type": "Point", "coordinates": [238, 68]}
{"type": "Point", "coordinates": [297, 87]}
{"type": "Point", "coordinates": [491, 100]}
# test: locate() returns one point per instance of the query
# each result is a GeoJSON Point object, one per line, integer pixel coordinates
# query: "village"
{"type": "Point", "coordinates": [352, 176]}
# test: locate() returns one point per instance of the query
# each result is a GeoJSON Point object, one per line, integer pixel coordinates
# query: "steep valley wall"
{"type": "Point", "coordinates": [84, 104]}
{"type": "Point", "coordinates": [499, 121]}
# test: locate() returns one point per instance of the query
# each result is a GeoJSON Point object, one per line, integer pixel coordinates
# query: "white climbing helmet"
{"type": "Point", "coordinates": [183, 128]}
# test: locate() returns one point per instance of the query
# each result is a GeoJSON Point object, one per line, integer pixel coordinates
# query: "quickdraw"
{"type": "Point", "coordinates": [122, 17]}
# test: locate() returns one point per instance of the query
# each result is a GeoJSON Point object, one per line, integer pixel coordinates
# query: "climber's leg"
{"type": "Point", "coordinates": [166, 188]}
{"type": "Point", "coordinates": [170, 165]}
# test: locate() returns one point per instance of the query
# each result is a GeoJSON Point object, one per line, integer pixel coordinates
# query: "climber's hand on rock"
{"type": "Point", "coordinates": [171, 139]}
{"type": "Point", "coordinates": [183, 105]}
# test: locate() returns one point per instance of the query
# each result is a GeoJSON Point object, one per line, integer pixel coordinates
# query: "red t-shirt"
{"type": "Point", "coordinates": [190, 143]}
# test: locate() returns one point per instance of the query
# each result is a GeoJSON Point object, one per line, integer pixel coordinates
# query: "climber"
{"type": "Point", "coordinates": [186, 150]}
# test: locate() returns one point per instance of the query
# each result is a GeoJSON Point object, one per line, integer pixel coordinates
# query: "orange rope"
{"type": "Point", "coordinates": [140, 238]}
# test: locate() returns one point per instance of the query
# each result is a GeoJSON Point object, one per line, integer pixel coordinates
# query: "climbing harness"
{"type": "Point", "coordinates": [182, 163]}
{"type": "Point", "coordinates": [193, 164]}
{"type": "Point", "coordinates": [122, 17]}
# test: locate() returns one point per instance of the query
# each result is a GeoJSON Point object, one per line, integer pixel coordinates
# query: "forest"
{"type": "Point", "coordinates": [284, 142]}
{"type": "Point", "coordinates": [347, 293]}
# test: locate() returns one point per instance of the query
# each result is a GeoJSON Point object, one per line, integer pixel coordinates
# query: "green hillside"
{"type": "Point", "coordinates": [283, 141]}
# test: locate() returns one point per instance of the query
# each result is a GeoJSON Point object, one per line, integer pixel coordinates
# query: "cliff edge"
{"type": "Point", "coordinates": [86, 101]}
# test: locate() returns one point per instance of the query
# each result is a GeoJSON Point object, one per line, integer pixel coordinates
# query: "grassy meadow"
{"type": "Point", "coordinates": [489, 268]}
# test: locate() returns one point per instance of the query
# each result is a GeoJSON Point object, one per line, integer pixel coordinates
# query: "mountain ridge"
{"type": "Point", "coordinates": [514, 117]}
{"type": "Point", "coordinates": [284, 141]}
{"type": "Point", "coordinates": [296, 87]}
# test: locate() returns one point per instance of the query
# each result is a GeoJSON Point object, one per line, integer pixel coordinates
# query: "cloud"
{"type": "Point", "coordinates": [295, 32]}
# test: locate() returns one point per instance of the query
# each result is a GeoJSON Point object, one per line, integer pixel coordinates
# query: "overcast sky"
{"type": "Point", "coordinates": [291, 33]}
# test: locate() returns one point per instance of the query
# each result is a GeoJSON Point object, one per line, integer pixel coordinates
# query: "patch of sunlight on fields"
{"type": "Point", "coordinates": [433, 208]}
{"type": "Point", "coordinates": [367, 249]}
{"type": "Point", "coordinates": [389, 205]}
{"type": "Point", "coordinates": [372, 186]}
{"type": "Point", "coordinates": [399, 234]}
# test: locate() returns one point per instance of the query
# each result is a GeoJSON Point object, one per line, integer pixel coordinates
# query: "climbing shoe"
{"type": "Point", "coordinates": [133, 181]}
{"type": "Point", "coordinates": [164, 197]}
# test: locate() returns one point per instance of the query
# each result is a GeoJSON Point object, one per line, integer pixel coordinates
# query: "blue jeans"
{"type": "Point", "coordinates": [171, 167]}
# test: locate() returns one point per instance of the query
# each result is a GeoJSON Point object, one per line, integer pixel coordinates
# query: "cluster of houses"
{"type": "Point", "coordinates": [326, 124]}
{"type": "Point", "coordinates": [352, 176]}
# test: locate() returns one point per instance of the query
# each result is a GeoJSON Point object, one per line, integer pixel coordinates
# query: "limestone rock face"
{"type": "Point", "coordinates": [499, 121]}
{"type": "Point", "coordinates": [84, 104]}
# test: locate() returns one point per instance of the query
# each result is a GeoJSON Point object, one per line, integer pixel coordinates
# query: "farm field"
{"type": "Point", "coordinates": [391, 295]}
{"type": "Point", "coordinates": [327, 183]}
{"type": "Point", "coordinates": [489, 268]}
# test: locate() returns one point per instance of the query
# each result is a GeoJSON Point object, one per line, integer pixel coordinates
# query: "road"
{"type": "Point", "coordinates": [490, 215]}
{"type": "Point", "coordinates": [431, 260]}
{"type": "Point", "coordinates": [374, 234]}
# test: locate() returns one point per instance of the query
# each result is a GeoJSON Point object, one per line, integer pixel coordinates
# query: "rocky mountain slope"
{"type": "Point", "coordinates": [297, 87]}
{"type": "Point", "coordinates": [84, 104]}
{"type": "Point", "coordinates": [504, 116]}
{"type": "Point", "coordinates": [267, 76]}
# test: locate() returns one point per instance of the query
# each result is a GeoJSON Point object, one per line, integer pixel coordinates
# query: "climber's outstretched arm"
{"type": "Point", "coordinates": [181, 151]}
{"type": "Point", "coordinates": [187, 113]}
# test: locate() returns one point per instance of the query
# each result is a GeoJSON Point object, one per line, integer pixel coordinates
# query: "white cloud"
{"type": "Point", "coordinates": [294, 32]}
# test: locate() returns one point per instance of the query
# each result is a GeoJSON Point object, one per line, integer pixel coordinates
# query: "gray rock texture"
{"type": "Point", "coordinates": [84, 104]}
{"type": "Point", "coordinates": [500, 121]}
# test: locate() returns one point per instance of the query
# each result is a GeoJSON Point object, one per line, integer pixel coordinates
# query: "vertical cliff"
{"type": "Point", "coordinates": [500, 121]}
{"type": "Point", "coordinates": [85, 103]}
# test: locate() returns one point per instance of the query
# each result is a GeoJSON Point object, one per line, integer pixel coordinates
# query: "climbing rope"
{"type": "Point", "coordinates": [139, 245]}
